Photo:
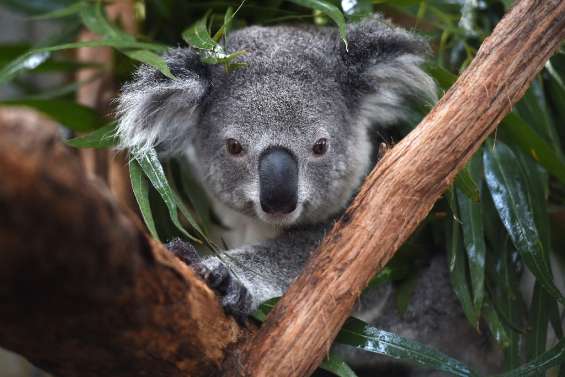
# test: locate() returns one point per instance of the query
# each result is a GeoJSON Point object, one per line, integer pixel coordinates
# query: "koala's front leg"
{"type": "Point", "coordinates": [247, 276]}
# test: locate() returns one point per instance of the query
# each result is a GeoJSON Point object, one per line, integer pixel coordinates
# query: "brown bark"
{"type": "Point", "coordinates": [83, 291]}
{"type": "Point", "coordinates": [401, 191]}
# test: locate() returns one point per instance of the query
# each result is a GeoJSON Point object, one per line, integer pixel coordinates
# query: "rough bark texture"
{"type": "Point", "coordinates": [83, 291]}
{"type": "Point", "coordinates": [401, 191]}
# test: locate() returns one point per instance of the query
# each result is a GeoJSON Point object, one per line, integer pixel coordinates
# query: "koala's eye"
{"type": "Point", "coordinates": [320, 147]}
{"type": "Point", "coordinates": [234, 147]}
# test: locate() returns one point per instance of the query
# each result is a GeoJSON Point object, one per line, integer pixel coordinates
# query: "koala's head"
{"type": "Point", "coordinates": [286, 138]}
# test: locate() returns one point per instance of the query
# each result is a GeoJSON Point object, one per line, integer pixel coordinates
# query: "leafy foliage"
{"type": "Point", "coordinates": [502, 219]}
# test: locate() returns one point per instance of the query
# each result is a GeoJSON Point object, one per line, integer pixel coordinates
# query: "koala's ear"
{"type": "Point", "coordinates": [156, 111]}
{"type": "Point", "coordinates": [383, 72]}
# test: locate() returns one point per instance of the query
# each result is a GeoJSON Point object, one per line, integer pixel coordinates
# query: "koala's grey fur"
{"type": "Point", "coordinates": [300, 85]}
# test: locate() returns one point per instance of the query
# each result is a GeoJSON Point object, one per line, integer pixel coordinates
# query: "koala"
{"type": "Point", "coordinates": [281, 146]}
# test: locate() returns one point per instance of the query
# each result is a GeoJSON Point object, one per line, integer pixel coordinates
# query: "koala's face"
{"type": "Point", "coordinates": [279, 147]}
{"type": "Point", "coordinates": [284, 140]}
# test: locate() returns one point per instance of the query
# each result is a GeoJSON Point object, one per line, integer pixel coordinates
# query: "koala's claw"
{"type": "Point", "coordinates": [235, 298]}
{"type": "Point", "coordinates": [184, 251]}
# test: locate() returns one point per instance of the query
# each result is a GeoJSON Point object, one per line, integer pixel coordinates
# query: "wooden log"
{"type": "Point", "coordinates": [83, 290]}
{"type": "Point", "coordinates": [401, 191]}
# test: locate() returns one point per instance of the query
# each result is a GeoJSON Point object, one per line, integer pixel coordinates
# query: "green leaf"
{"type": "Point", "coordinates": [496, 327]}
{"type": "Point", "coordinates": [330, 10]}
{"type": "Point", "coordinates": [104, 137]}
{"type": "Point", "coordinates": [533, 109]}
{"type": "Point", "coordinates": [198, 36]}
{"type": "Point", "coordinates": [549, 359]}
{"type": "Point", "coordinates": [359, 334]}
{"type": "Point", "coordinates": [457, 264]}
{"type": "Point", "coordinates": [95, 20]}
{"type": "Point", "coordinates": [70, 10]}
{"type": "Point", "coordinates": [141, 192]}
{"type": "Point", "coordinates": [516, 130]}
{"type": "Point", "coordinates": [507, 187]}
{"type": "Point", "coordinates": [536, 337]}
{"type": "Point", "coordinates": [152, 59]}
{"type": "Point", "coordinates": [68, 113]}
{"type": "Point", "coordinates": [33, 58]}
{"type": "Point", "coordinates": [442, 76]}
{"type": "Point", "coordinates": [467, 185]}
{"type": "Point", "coordinates": [335, 365]}
{"type": "Point", "coordinates": [470, 214]}
{"type": "Point", "coordinates": [153, 169]}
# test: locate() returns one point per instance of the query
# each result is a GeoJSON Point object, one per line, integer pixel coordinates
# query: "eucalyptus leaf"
{"type": "Point", "coordinates": [33, 58]}
{"type": "Point", "coordinates": [457, 264]}
{"type": "Point", "coordinates": [516, 130]}
{"type": "Point", "coordinates": [95, 20]}
{"type": "Point", "coordinates": [549, 359]}
{"type": "Point", "coordinates": [470, 214]}
{"type": "Point", "coordinates": [330, 10]}
{"type": "Point", "coordinates": [152, 59]}
{"type": "Point", "coordinates": [140, 189]}
{"type": "Point", "coordinates": [153, 169]}
{"type": "Point", "coordinates": [69, 10]}
{"type": "Point", "coordinates": [104, 137]}
{"type": "Point", "coordinates": [198, 36]}
{"type": "Point", "coordinates": [467, 185]}
{"type": "Point", "coordinates": [507, 187]}
{"type": "Point", "coordinates": [360, 335]}
{"type": "Point", "coordinates": [338, 367]}
{"type": "Point", "coordinates": [496, 326]}
{"type": "Point", "coordinates": [68, 113]}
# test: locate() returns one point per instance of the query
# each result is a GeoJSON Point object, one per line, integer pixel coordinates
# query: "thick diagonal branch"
{"type": "Point", "coordinates": [398, 195]}
{"type": "Point", "coordinates": [83, 291]}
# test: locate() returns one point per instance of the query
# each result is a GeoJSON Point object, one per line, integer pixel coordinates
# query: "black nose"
{"type": "Point", "coordinates": [278, 181]}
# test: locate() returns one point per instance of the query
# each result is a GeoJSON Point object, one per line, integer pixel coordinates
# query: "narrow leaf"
{"type": "Point", "coordinates": [198, 36]}
{"type": "Point", "coordinates": [470, 214]}
{"type": "Point", "coordinates": [153, 169]}
{"type": "Point", "coordinates": [68, 113]}
{"type": "Point", "coordinates": [521, 134]}
{"type": "Point", "coordinates": [457, 265]}
{"type": "Point", "coordinates": [141, 192]}
{"type": "Point", "coordinates": [104, 137]}
{"type": "Point", "coordinates": [467, 185]}
{"type": "Point", "coordinates": [95, 20]}
{"type": "Point", "coordinates": [506, 184]}
{"type": "Point", "coordinates": [63, 12]}
{"type": "Point", "coordinates": [549, 359]}
{"type": "Point", "coordinates": [338, 367]}
{"type": "Point", "coordinates": [359, 334]}
{"type": "Point", "coordinates": [330, 10]}
{"type": "Point", "coordinates": [151, 59]}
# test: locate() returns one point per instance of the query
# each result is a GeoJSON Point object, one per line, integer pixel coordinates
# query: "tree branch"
{"type": "Point", "coordinates": [83, 291]}
{"type": "Point", "coordinates": [401, 191]}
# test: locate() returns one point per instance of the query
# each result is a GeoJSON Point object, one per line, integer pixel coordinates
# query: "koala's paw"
{"type": "Point", "coordinates": [186, 253]}
{"type": "Point", "coordinates": [235, 297]}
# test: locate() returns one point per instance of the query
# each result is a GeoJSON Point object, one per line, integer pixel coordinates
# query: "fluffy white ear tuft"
{"type": "Point", "coordinates": [384, 71]}
{"type": "Point", "coordinates": [156, 111]}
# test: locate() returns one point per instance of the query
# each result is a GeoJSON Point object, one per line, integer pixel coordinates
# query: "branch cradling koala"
{"type": "Point", "coordinates": [83, 291]}
{"type": "Point", "coordinates": [401, 191]}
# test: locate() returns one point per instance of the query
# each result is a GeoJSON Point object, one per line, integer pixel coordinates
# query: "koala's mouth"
{"type": "Point", "coordinates": [279, 218]}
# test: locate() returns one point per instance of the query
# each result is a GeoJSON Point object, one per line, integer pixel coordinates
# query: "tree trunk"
{"type": "Point", "coordinates": [401, 191]}
{"type": "Point", "coordinates": [83, 290]}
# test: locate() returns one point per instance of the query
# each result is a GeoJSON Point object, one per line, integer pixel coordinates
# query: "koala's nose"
{"type": "Point", "coordinates": [278, 181]}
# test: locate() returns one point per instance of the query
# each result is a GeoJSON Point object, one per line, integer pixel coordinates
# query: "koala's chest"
{"type": "Point", "coordinates": [238, 230]}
